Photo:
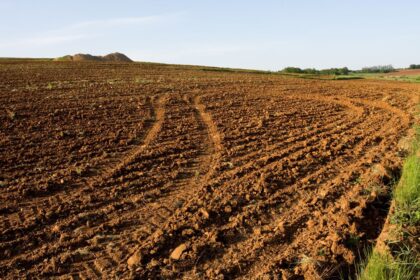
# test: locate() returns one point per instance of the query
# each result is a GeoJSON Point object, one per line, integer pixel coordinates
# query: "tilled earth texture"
{"type": "Point", "coordinates": [172, 172]}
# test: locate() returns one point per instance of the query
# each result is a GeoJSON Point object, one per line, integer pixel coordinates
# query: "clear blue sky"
{"type": "Point", "coordinates": [264, 34]}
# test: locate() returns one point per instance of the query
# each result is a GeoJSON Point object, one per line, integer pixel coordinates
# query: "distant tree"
{"type": "Point", "coordinates": [292, 70]}
{"type": "Point", "coordinates": [378, 69]}
{"type": "Point", "coordinates": [336, 71]}
{"type": "Point", "coordinates": [331, 71]}
{"type": "Point", "coordinates": [310, 71]}
{"type": "Point", "coordinates": [415, 66]}
{"type": "Point", "coordinates": [344, 71]}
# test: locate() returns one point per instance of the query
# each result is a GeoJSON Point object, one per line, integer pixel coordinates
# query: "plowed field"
{"type": "Point", "coordinates": [157, 171]}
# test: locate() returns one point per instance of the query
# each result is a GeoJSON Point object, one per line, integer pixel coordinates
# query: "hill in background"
{"type": "Point", "coordinates": [112, 57]}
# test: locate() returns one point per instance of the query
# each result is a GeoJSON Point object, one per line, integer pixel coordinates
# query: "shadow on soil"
{"type": "Point", "coordinates": [371, 225]}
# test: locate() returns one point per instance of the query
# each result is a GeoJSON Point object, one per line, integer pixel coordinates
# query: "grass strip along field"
{"type": "Point", "coordinates": [400, 259]}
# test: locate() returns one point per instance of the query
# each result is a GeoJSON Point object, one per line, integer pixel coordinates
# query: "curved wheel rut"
{"type": "Point", "coordinates": [112, 168]}
{"type": "Point", "coordinates": [227, 228]}
{"type": "Point", "coordinates": [103, 245]}
{"type": "Point", "coordinates": [60, 204]}
{"type": "Point", "coordinates": [97, 175]}
{"type": "Point", "coordinates": [203, 168]}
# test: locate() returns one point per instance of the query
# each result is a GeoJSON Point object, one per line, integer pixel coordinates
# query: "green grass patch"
{"type": "Point", "coordinates": [328, 77]}
{"type": "Point", "coordinates": [348, 77]}
{"type": "Point", "coordinates": [381, 267]}
{"type": "Point", "coordinates": [315, 76]}
{"type": "Point", "coordinates": [389, 77]}
{"type": "Point", "coordinates": [409, 79]}
{"type": "Point", "coordinates": [407, 194]}
{"type": "Point", "coordinates": [403, 264]}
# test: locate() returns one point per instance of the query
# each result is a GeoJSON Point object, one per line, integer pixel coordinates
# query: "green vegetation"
{"type": "Point", "coordinates": [331, 71]}
{"type": "Point", "coordinates": [414, 66]}
{"type": "Point", "coordinates": [377, 69]}
{"type": "Point", "coordinates": [381, 267]}
{"type": "Point", "coordinates": [378, 76]}
{"type": "Point", "coordinates": [407, 195]}
{"type": "Point", "coordinates": [348, 77]}
{"type": "Point", "coordinates": [404, 78]}
{"type": "Point", "coordinates": [403, 264]}
{"type": "Point", "coordinates": [234, 70]}
{"type": "Point", "coordinates": [328, 77]}
{"type": "Point", "coordinates": [389, 77]}
{"type": "Point", "coordinates": [295, 70]}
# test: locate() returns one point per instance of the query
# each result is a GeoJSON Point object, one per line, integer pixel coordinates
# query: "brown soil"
{"type": "Point", "coordinates": [405, 72]}
{"type": "Point", "coordinates": [112, 57]}
{"type": "Point", "coordinates": [156, 171]}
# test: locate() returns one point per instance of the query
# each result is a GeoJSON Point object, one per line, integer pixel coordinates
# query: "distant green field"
{"type": "Point", "coordinates": [404, 78]}
{"type": "Point", "coordinates": [389, 77]}
{"type": "Point", "coordinates": [357, 76]}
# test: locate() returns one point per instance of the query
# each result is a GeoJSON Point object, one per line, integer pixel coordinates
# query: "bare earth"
{"type": "Point", "coordinates": [156, 171]}
{"type": "Point", "coordinates": [405, 72]}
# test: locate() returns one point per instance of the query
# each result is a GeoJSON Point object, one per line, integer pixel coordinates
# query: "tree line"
{"type": "Point", "coordinates": [331, 71]}
{"type": "Point", "coordinates": [344, 71]}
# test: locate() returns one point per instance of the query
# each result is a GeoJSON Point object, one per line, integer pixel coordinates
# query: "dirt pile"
{"type": "Point", "coordinates": [116, 57]}
{"type": "Point", "coordinates": [112, 57]}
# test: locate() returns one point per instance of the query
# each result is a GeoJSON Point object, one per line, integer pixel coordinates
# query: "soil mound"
{"type": "Point", "coordinates": [117, 57]}
{"type": "Point", "coordinates": [112, 57]}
